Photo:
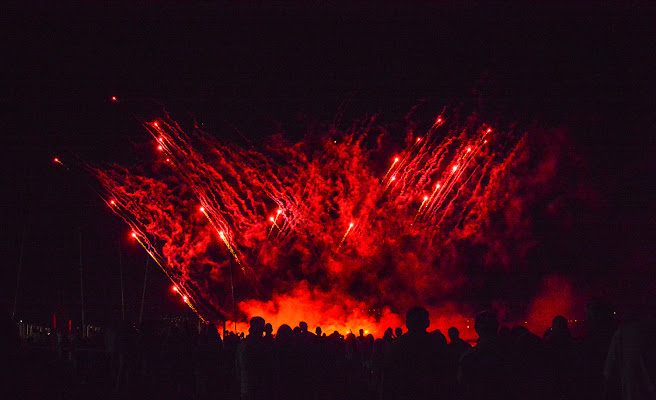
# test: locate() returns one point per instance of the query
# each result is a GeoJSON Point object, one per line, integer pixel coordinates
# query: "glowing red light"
{"type": "Point", "coordinates": [175, 289]}
{"type": "Point", "coordinates": [113, 98]}
{"type": "Point", "coordinates": [185, 298]}
{"type": "Point", "coordinates": [351, 225]}
{"type": "Point", "coordinates": [419, 139]}
{"type": "Point", "coordinates": [489, 130]}
{"type": "Point", "coordinates": [425, 198]}
{"type": "Point", "coordinates": [201, 209]}
{"type": "Point", "coordinates": [455, 167]}
{"type": "Point", "coordinates": [112, 202]}
{"type": "Point", "coordinates": [167, 160]}
{"type": "Point", "coordinates": [134, 235]}
{"type": "Point", "coordinates": [468, 149]}
{"type": "Point", "coordinates": [279, 211]}
{"type": "Point", "coordinates": [437, 186]}
{"type": "Point", "coordinates": [160, 139]}
{"type": "Point", "coordinates": [160, 148]}
{"type": "Point", "coordinates": [271, 219]}
{"type": "Point", "coordinates": [394, 178]}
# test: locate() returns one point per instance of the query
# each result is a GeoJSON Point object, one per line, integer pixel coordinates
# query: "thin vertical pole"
{"type": "Point", "coordinates": [143, 293]}
{"type": "Point", "coordinates": [234, 305]}
{"type": "Point", "coordinates": [120, 268]}
{"type": "Point", "coordinates": [18, 273]}
{"type": "Point", "coordinates": [81, 283]}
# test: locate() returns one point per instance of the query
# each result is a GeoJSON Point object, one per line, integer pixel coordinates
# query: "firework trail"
{"type": "Point", "coordinates": [279, 215]}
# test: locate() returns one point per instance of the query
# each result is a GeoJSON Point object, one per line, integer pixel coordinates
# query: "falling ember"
{"type": "Point", "coordinates": [114, 98]}
{"type": "Point", "coordinates": [175, 289]}
{"type": "Point", "coordinates": [56, 160]}
{"type": "Point", "coordinates": [346, 252]}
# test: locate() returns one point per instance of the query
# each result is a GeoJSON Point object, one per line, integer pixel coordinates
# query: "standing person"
{"type": "Point", "coordinates": [630, 371]}
{"type": "Point", "coordinates": [254, 360]}
{"type": "Point", "coordinates": [484, 371]}
{"type": "Point", "coordinates": [415, 363]}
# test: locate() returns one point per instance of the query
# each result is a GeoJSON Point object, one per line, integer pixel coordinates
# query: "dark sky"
{"type": "Point", "coordinates": [588, 68]}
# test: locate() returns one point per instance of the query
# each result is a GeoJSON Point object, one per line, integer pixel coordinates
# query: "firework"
{"type": "Point", "coordinates": [410, 217]}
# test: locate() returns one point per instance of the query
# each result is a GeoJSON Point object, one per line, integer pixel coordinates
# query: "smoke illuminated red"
{"type": "Point", "coordinates": [322, 231]}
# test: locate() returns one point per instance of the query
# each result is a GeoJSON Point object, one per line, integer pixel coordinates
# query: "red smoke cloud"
{"type": "Point", "coordinates": [335, 231]}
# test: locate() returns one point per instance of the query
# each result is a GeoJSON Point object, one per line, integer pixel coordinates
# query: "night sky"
{"type": "Point", "coordinates": [251, 70]}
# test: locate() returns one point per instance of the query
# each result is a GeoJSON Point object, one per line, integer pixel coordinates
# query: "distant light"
{"type": "Point", "coordinates": [279, 211]}
{"type": "Point", "coordinates": [114, 98]}
{"type": "Point", "coordinates": [485, 141]}
{"type": "Point", "coordinates": [168, 160]}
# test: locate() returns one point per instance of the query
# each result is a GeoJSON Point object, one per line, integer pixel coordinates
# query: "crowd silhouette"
{"type": "Point", "coordinates": [183, 360]}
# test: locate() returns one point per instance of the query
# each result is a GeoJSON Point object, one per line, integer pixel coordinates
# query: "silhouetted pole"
{"type": "Point", "coordinates": [20, 267]}
{"type": "Point", "coordinates": [81, 282]}
{"type": "Point", "coordinates": [234, 305]}
{"type": "Point", "coordinates": [120, 268]}
{"type": "Point", "coordinates": [143, 293]}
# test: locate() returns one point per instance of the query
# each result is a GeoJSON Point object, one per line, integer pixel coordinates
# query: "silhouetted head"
{"type": "Point", "coordinates": [438, 337]}
{"type": "Point", "coordinates": [268, 328]}
{"type": "Point", "coordinates": [454, 334]}
{"type": "Point", "coordinates": [303, 326]}
{"type": "Point", "coordinates": [486, 324]}
{"type": "Point", "coordinates": [361, 332]}
{"type": "Point", "coordinates": [416, 319]}
{"type": "Point", "coordinates": [398, 332]}
{"type": "Point", "coordinates": [318, 331]}
{"type": "Point", "coordinates": [284, 333]}
{"type": "Point", "coordinates": [559, 326]}
{"type": "Point", "coordinates": [257, 326]}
